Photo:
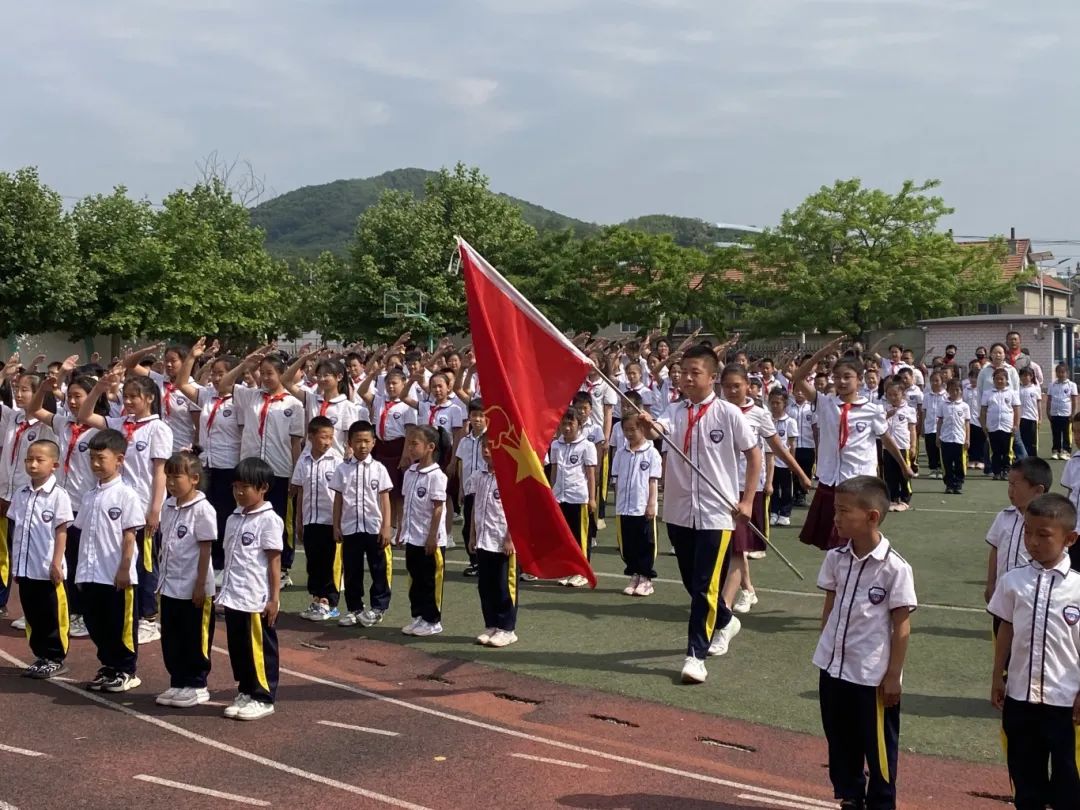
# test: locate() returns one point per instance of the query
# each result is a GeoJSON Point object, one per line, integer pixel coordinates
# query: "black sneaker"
{"type": "Point", "coordinates": [3, 611]}
{"type": "Point", "coordinates": [33, 670]}
{"type": "Point", "coordinates": [470, 571]}
{"type": "Point", "coordinates": [104, 675]}
{"type": "Point", "coordinates": [852, 804]}
{"type": "Point", "coordinates": [49, 669]}
{"type": "Point", "coordinates": [121, 682]}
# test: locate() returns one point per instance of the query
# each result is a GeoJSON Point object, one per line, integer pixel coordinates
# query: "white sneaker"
{"type": "Point", "coordinates": [693, 670]}
{"type": "Point", "coordinates": [450, 543]}
{"type": "Point", "coordinates": [371, 617]}
{"type": "Point", "coordinates": [254, 710]}
{"type": "Point", "coordinates": [757, 555]}
{"type": "Point", "coordinates": [783, 520]}
{"type": "Point", "coordinates": [19, 623]}
{"type": "Point", "coordinates": [565, 582]}
{"type": "Point", "coordinates": [149, 631]}
{"type": "Point", "coordinates": [190, 696]}
{"type": "Point", "coordinates": [485, 636]}
{"type": "Point", "coordinates": [349, 619]}
{"type": "Point", "coordinates": [644, 587]}
{"type": "Point", "coordinates": [238, 703]}
{"type": "Point", "coordinates": [410, 628]}
{"type": "Point", "coordinates": [320, 612]}
{"type": "Point", "coordinates": [219, 577]}
{"type": "Point", "coordinates": [744, 601]}
{"type": "Point", "coordinates": [528, 577]}
{"type": "Point", "coordinates": [166, 697]}
{"type": "Point", "coordinates": [577, 581]}
{"type": "Point", "coordinates": [634, 580]}
{"type": "Point", "coordinates": [459, 518]}
{"type": "Point", "coordinates": [286, 580]}
{"type": "Point", "coordinates": [723, 637]}
{"type": "Point", "coordinates": [601, 524]}
{"type": "Point", "coordinates": [77, 627]}
{"type": "Point", "coordinates": [773, 517]}
{"type": "Point", "coordinates": [428, 629]}
{"type": "Point", "coordinates": [309, 612]}
{"type": "Point", "coordinates": [502, 638]}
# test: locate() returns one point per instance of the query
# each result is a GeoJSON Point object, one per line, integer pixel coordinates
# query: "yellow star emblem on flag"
{"type": "Point", "coordinates": [517, 445]}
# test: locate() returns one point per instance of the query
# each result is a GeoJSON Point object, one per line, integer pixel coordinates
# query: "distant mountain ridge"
{"type": "Point", "coordinates": [311, 219]}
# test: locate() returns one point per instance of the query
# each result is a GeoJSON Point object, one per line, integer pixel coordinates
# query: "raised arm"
{"type": "Point", "coordinates": [288, 379]}
{"type": "Point", "coordinates": [35, 409]}
{"type": "Point", "coordinates": [131, 360]}
{"type": "Point", "coordinates": [227, 382]}
{"type": "Point", "coordinates": [808, 366]}
{"type": "Point", "coordinates": [187, 388]}
{"type": "Point", "coordinates": [86, 412]}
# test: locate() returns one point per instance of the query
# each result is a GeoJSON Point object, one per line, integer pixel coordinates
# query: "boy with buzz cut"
{"type": "Point", "coordinates": [1028, 479]}
{"type": "Point", "coordinates": [361, 487]}
{"type": "Point", "coordinates": [865, 627]}
{"type": "Point", "coordinates": [470, 460]}
{"type": "Point", "coordinates": [110, 516]}
{"type": "Point", "coordinates": [314, 517]}
{"type": "Point", "coordinates": [40, 513]}
{"type": "Point", "coordinates": [1038, 607]}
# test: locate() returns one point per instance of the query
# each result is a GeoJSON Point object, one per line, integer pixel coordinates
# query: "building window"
{"type": "Point", "coordinates": [989, 309]}
{"type": "Point", "coordinates": [629, 328]}
{"type": "Point", "coordinates": [687, 326]}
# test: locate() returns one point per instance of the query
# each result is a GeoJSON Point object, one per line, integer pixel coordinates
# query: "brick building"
{"type": "Point", "coordinates": [1049, 340]}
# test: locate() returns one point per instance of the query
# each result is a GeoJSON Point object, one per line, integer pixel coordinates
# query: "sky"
{"type": "Point", "coordinates": [728, 110]}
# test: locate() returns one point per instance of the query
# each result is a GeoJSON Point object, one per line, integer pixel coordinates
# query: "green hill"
{"type": "Point", "coordinates": [309, 220]}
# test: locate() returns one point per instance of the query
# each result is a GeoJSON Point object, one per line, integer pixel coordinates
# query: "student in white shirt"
{"type": "Point", "coordinates": [423, 531]}
{"type": "Point", "coordinates": [250, 590]}
{"type": "Point", "coordinates": [1038, 606]}
{"type": "Point", "coordinates": [491, 542]}
{"type": "Point", "coordinates": [177, 410]}
{"type": "Point", "coordinates": [444, 413]}
{"type": "Point", "coordinates": [150, 443]}
{"type": "Point", "coordinates": [713, 433]}
{"type": "Point", "coordinates": [573, 482]}
{"type": "Point", "coordinates": [1070, 479]}
{"type": "Point", "coordinates": [787, 431]}
{"type": "Point", "coordinates": [1061, 399]}
{"type": "Point", "coordinates": [636, 473]}
{"type": "Point", "coordinates": [329, 399]}
{"type": "Point", "coordinates": [40, 513]}
{"type": "Point", "coordinates": [391, 417]}
{"type": "Point", "coordinates": [1000, 418]}
{"type": "Point", "coordinates": [186, 583]}
{"type": "Point", "coordinates": [1028, 479]}
{"type": "Point", "coordinates": [1030, 411]}
{"type": "Point", "coordinates": [110, 516]}
{"type": "Point", "coordinates": [902, 421]}
{"type": "Point", "coordinates": [915, 399]}
{"type": "Point", "coordinates": [865, 627]}
{"type": "Point", "coordinates": [361, 487]}
{"type": "Point", "coordinates": [314, 511]}
{"type": "Point", "coordinates": [469, 459]}
{"type": "Point", "coordinates": [978, 458]}
{"type": "Point", "coordinates": [805, 444]}
{"type": "Point", "coordinates": [954, 436]}
{"type": "Point", "coordinates": [604, 399]}
{"type": "Point", "coordinates": [928, 420]}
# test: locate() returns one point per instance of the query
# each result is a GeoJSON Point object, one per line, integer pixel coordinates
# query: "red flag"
{"type": "Point", "coordinates": [529, 372]}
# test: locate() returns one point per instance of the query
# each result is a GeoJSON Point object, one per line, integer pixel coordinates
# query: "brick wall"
{"type": "Point", "coordinates": [968, 337]}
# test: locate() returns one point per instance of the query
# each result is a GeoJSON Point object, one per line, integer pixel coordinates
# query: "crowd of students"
{"type": "Point", "coordinates": [145, 498]}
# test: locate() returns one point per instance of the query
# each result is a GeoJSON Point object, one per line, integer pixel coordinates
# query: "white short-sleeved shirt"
{"type": "Point", "coordinates": [37, 512]}
{"type": "Point", "coordinates": [647, 398]}
{"type": "Point", "coordinates": [932, 405]}
{"type": "Point", "coordinates": [249, 536]}
{"type": "Point", "coordinates": [763, 425]}
{"type": "Point", "coordinates": [1030, 399]}
{"type": "Point", "coordinates": [914, 397]}
{"type": "Point", "coordinates": [339, 410]}
{"type": "Point", "coordinates": [900, 424]}
{"type": "Point", "coordinates": [571, 458]}
{"type": "Point", "coordinates": [74, 473]}
{"type": "Point", "coordinates": [866, 423]}
{"type": "Point", "coordinates": [856, 640]}
{"type": "Point", "coordinates": [1061, 394]}
{"type": "Point", "coordinates": [1070, 478]}
{"type": "Point", "coordinates": [360, 485]}
{"type": "Point", "coordinates": [954, 415]}
{"type": "Point", "coordinates": [601, 394]}
{"type": "Point", "coordinates": [805, 421]}
{"type": "Point", "coordinates": [270, 423]}
{"type": "Point", "coordinates": [219, 430]}
{"type": "Point", "coordinates": [787, 428]}
{"type": "Point", "coordinates": [392, 417]}
{"type": "Point", "coordinates": [1043, 606]}
{"type": "Point", "coordinates": [314, 476]}
{"type": "Point", "coordinates": [468, 451]}
{"type": "Point", "coordinates": [999, 406]}
{"type": "Point", "coordinates": [176, 411]}
{"type": "Point", "coordinates": [449, 416]}
{"type": "Point", "coordinates": [1006, 534]}
{"type": "Point", "coordinates": [422, 489]}
{"type": "Point", "coordinates": [714, 441]}
{"type": "Point", "coordinates": [971, 397]}
{"type": "Point", "coordinates": [183, 528]}
{"type": "Point", "coordinates": [632, 471]}
{"type": "Point", "coordinates": [489, 519]}
{"type": "Point", "coordinates": [17, 433]}
{"type": "Point", "coordinates": [106, 512]}
{"type": "Point", "coordinates": [149, 439]}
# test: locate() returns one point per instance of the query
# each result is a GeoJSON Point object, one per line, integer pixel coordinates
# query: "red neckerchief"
{"type": "Point", "coordinates": [77, 430]}
{"type": "Point", "coordinates": [218, 402]}
{"type": "Point", "coordinates": [268, 400]}
{"type": "Point", "coordinates": [131, 427]}
{"type": "Point", "coordinates": [323, 407]}
{"type": "Point", "coordinates": [435, 408]}
{"type": "Point", "coordinates": [843, 424]}
{"type": "Point", "coordinates": [691, 420]}
{"type": "Point", "coordinates": [386, 408]}
{"type": "Point", "coordinates": [19, 431]}
{"type": "Point", "coordinates": [169, 388]}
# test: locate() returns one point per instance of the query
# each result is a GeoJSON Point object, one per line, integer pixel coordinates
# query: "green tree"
{"type": "Point", "coordinates": [851, 258]}
{"type": "Point", "coordinates": [39, 284]}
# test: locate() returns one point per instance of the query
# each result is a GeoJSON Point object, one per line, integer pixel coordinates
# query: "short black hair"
{"type": "Point", "coordinates": [580, 398]}
{"type": "Point", "coordinates": [476, 406]}
{"type": "Point", "coordinates": [109, 439]}
{"type": "Point", "coordinates": [53, 447]}
{"type": "Point", "coordinates": [360, 426]}
{"type": "Point", "coordinates": [254, 472]}
{"type": "Point", "coordinates": [1036, 471]}
{"type": "Point", "coordinates": [1056, 507]}
{"type": "Point", "coordinates": [394, 373]}
{"type": "Point", "coordinates": [702, 352]}
{"type": "Point", "coordinates": [869, 492]}
{"type": "Point", "coordinates": [186, 463]}
{"type": "Point", "coordinates": [318, 423]}
{"type": "Point", "coordinates": [429, 432]}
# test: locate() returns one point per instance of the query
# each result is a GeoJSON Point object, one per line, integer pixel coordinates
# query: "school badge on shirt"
{"type": "Point", "coordinates": [1071, 614]}
{"type": "Point", "coordinates": [717, 436]}
{"type": "Point", "coordinates": [877, 595]}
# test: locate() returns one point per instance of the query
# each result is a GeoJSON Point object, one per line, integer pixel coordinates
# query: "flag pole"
{"type": "Point", "coordinates": [712, 485]}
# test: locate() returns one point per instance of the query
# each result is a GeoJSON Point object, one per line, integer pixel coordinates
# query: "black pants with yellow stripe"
{"type": "Point", "coordinates": [1037, 736]}
{"type": "Point", "coordinates": [45, 608]}
{"type": "Point", "coordinates": [323, 562]}
{"type": "Point", "coordinates": [703, 556]}
{"type": "Point", "coordinates": [355, 549]}
{"type": "Point", "coordinates": [253, 653]}
{"type": "Point", "coordinates": [187, 631]}
{"type": "Point", "coordinates": [580, 523]}
{"type": "Point", "coordinates": [148, 549]}
{"type": "Point", "coordinates": [5, 560]}
{"type": "Point", "coordinates": [860, 729]}
{"type": "Point", "coordinates": [426, 573]}
{"type": "Point", "coordinates": [636, 535]}
{"type": "Point", "coordinates": [496, 579]}
{"type": "Point", "coordinates": [110, 616]}
{"type": "Point", "coordinates": [282, 504]}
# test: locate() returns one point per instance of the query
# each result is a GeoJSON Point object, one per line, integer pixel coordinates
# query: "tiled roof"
{"type": "Point", "coordinates": [1014, 261]}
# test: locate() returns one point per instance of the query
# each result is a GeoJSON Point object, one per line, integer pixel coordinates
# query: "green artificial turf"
{"type": "Point", "coordinates": [635, 646]}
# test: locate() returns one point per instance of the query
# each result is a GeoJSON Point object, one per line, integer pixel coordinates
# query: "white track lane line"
{"type": "Point", "coordinates": [229, 749]}
{"type": "Point", "coordinates": [364, 729]}
{"type": "Point", "coordinates": [216, 794]}
{"type": "Point", "coordinates": [26, 752]}
{"type": "Point", "coordinates": [523, 735]}
{"type": "Point", "coordinates": [549, 761]}
{"type": "Point", "coordinates": [765, 800]}
{"type": "Point", "coordinates": [6, 806]}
